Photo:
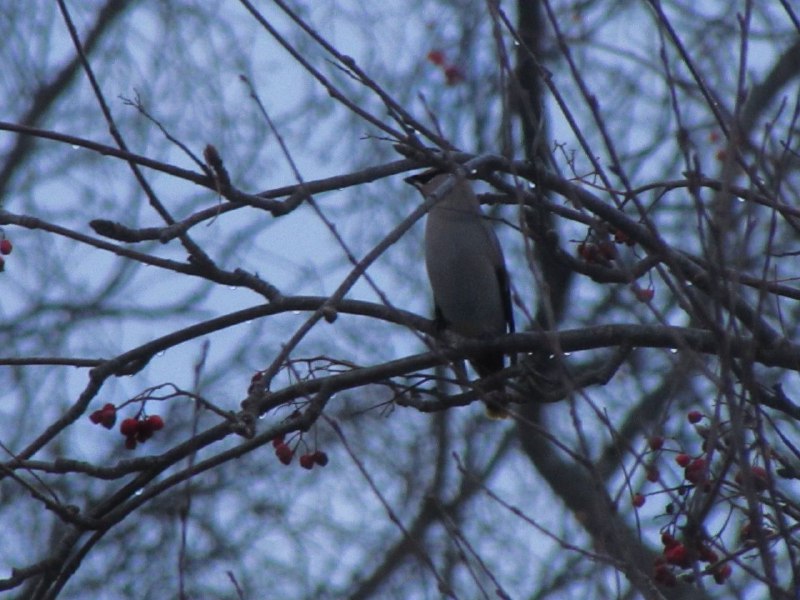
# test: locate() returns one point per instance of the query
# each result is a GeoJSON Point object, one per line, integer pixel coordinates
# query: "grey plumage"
{"type": "Point", "coordinates": [466, 270]}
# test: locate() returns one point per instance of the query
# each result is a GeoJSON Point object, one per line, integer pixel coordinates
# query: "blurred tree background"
{"type": "Point", "coordinates": [212, 267]}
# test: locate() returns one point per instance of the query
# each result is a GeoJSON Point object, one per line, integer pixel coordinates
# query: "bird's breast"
{"type": "Point", "coordinates": [460, 261]}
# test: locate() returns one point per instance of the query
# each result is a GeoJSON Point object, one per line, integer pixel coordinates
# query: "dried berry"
{"type": "Point", "coordinates": [320, 458]}
{"type": "Point", "coordinates": [453, 75]}
{"type": "Point", "coordinates": [758, 476]}
{"type": "Point", "coordinates": [652, 474]}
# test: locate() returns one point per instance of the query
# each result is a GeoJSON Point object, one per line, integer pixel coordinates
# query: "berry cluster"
{"type": "Point", "coordinates": [136, 430]}
{"type": "Point", "coordinates": [694, 469]}
{"type": "Point", "coordinates": [602, 252]}
{"type": "Point", "coordinates": [453, 74]}
{"type": "Point", "coordinates": [703, 473]}
{"type": "Point", "coordinates": [621, 237]}
{"type": "Point", "coordinates": [139, 430]}
{"type": "Point", "coordinates": [307, 461]}
{"type": "Point", "coordinates": [5, 249]}
{"type": "Point", "coordinates": [105, 416]}
{"type": "Point", "coordinates": [683, 556]}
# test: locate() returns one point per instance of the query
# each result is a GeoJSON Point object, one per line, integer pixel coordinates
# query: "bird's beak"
{"type": "Point", "coordinates": [421, 179]}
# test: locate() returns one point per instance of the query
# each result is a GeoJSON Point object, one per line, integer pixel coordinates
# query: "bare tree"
{"type": "Point", "coordinates": [220, 374]}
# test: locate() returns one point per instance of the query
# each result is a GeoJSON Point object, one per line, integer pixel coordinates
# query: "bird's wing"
{"type": "Point", "coordinates": [505, 296]}
{"type": "Point", "coordinates": [496, 256]}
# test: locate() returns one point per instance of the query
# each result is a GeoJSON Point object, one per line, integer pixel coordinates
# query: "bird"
{"type": "Point", "coordinates": [467, 272]}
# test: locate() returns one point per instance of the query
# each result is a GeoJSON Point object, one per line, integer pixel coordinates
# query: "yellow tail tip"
{"type": "Point", "coordinates": [497, 412]}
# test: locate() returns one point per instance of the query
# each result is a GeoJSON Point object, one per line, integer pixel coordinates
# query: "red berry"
{"type": "Point", "coordinates": [108, 416]}
{"type": "Point", "coordinates": [722, 572]}
{"type": "Point", "coordinates": [656, 442]}
{"type": "Point", "coordinates": [695, 472]}
{"type": "Point", "coordinates": [638, 500]}
{"type": "Point", "coordinates": [144, 430]}
{"type": "Point", "coordinates": [644, 295]}
{"type": "Point", "coordinates": [284, 453]}
{"type": "Point", "coordinates": [128, 427]}
{"type": "Point", "coordinates": [707, 554]}
{"type": "Point", "coordinates": [663, 576]}
{"type": "Point", "coordinates": [668, 540]}
{"type": "Point", "coordinates": [694, 416]}
{"type": "Point", "coordinates": [277, 441]}
{"type": "Point", "coordinates": [96, 417]}
{"type": "Point", "coordinates": [320, 458]}
{"type": "Point", "coordinates": [156, 422]}
{"type": "Point", "coordinates": [436, 57]}
{"type": "Point", "coordinates": [683, 459]}
{"type": "Point", "coordinates": [6, 246]}
{"type": "Point", "coordinates": [307, 461]}
{"type": "Point", "coordinates": [677, 555]}
{"type": "Point", "coordinates": [130, 442]}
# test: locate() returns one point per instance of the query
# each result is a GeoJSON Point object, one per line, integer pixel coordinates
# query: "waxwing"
{"type": "Point", "coordinates": [466, 270]}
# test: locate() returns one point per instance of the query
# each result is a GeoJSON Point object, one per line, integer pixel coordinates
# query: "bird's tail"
{"type": "Point", "coordinates": [495, 394]}
{"type": "Point", "coordinates": [496, 411]}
